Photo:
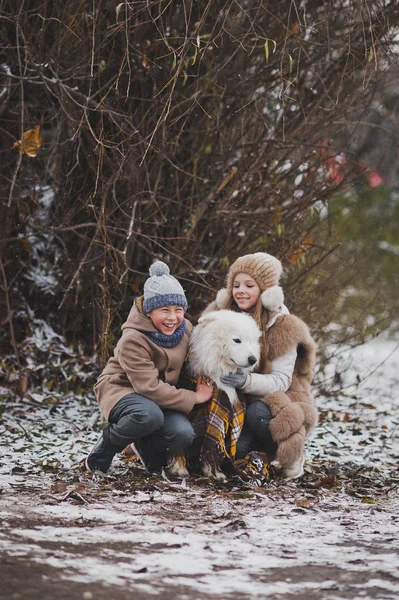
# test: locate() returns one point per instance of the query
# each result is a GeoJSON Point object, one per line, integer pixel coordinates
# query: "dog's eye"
{"type": "Point", "coordinates": [237, 340]}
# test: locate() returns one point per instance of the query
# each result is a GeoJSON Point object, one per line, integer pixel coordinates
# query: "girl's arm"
{"type": "Point", "coordinates": [279, 380]}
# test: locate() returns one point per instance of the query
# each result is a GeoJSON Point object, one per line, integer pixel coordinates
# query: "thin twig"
{"type": "Point", "coordinates": [9, 313]}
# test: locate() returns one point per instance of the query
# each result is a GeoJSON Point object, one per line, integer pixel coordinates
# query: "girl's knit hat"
{"type": "Point", "coordinates": [161, 289]}
{"type": "Point", "coordinates": [266, 271]}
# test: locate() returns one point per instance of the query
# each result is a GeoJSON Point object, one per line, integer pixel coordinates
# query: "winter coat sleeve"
{"type": "Point", "coordinates": [279, 380]}
{"type": "Point", "coordinates": [137, 363]}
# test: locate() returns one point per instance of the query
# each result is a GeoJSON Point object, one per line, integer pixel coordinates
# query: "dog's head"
{"type": "Point", "coordinates": [224, 341]}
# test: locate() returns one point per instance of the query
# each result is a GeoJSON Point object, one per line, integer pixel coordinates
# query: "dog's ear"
{"type": "Point", "coordinates": [222, 298]}
{"type": "Point", "coordinates": [273, 298]}
{"type": "Point", "coordinates": [211, 316]}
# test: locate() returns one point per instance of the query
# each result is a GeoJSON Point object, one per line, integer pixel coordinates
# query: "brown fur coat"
{"type": "Point", "coordinates": [293, 412]}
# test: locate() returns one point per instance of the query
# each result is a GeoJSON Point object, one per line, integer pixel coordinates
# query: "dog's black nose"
{"type": "Point", "coordinates": [251, 360]}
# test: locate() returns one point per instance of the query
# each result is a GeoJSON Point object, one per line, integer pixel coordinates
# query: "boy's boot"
{"type": "Point", "coordinates": [100, 456]}
{"type": "Point", "coordinates": [153, 462]}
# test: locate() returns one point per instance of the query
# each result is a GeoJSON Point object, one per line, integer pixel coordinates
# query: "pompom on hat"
{"type": "Point", "coordinates": [265, 269]}
{"type": "Point", "coordinates": [162, 289]}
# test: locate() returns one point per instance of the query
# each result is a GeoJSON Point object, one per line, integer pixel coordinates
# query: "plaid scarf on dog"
{"type": "Point", "coordinates": [217, 425]}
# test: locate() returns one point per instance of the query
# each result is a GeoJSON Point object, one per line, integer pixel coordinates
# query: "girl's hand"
{"type": "Point", "coordinates": [236, 380]}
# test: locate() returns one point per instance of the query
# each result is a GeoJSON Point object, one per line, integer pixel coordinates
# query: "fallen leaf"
{"type": "Point", "coordinates": [58, 487]}
{"type": "Point", "coordinates": [368, 500]}
{"type": "Point", "coordinates": [30, 143]}
{"type": "Point", "coordinates": [304, 503]}
{"type": "Point", "coordinates": [327, 481]}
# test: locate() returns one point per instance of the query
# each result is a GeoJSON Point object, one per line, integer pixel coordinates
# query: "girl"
{"type": "Point", "coordinates": [136, 391]}
{"type": "Point", "coordinates": [280, 408]}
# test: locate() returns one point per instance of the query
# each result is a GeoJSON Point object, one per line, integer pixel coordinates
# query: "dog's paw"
{"type": "Point", "coordinates": [207, 471]}
{"type": "Point", "coordinates": [177, 469]}
{"type": "Point", "coordinates": [178, 472]}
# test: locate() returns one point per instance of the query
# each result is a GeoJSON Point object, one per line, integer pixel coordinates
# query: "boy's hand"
{"type": "Point", "coordinates": [204, 392]}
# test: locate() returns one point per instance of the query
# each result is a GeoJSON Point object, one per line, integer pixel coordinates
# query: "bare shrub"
{"type": "Point", "coordinates": [192, 131]}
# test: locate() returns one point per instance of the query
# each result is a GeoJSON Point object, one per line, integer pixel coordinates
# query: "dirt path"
{"type": "Point", "coordinates": [334, 534]}
{"type": "Point", "coordinates": [197, 541]}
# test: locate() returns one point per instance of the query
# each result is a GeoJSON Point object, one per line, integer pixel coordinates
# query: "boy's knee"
{"type": "Point", "coordinates": [145, 420]}
{"type": "Point", "coordinates": [187, 436]}
{"type": "Point", "coordinates": [153, 420]}
{"type": "Point", "coordinates": [183, 436]}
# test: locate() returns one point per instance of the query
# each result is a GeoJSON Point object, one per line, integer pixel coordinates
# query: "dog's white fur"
{"type": "Point", "coordinates": [222, 342]}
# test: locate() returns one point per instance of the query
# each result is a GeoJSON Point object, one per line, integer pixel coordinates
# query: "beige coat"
{"type": "Point", "coordinates": [140, 366]}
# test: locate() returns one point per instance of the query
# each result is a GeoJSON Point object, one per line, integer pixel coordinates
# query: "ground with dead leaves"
{"type": "Point", "coordinates": [333, 534]}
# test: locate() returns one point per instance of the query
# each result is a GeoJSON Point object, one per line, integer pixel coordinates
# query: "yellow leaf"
{"type": "Point", "coordinates": [371, 54]}
{"type": "Point", "coordinates": [280, 229]}
{"type": "Point", "coordinates": [30, 143]}
{"type": "Point", "coordinates": [267, 48]}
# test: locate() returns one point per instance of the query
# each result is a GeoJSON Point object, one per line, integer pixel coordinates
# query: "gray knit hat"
{"type": "Point", "coordinates": [161, 289]}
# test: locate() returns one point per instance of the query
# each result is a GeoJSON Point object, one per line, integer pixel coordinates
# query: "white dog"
{"type": "Point", "coordinates": [222, 342]}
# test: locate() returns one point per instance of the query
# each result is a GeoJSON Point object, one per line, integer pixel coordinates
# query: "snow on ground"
{"type": "Point", "coordinates": [361, 422]}
{"type": "Point", "coordinates": [333, 534]}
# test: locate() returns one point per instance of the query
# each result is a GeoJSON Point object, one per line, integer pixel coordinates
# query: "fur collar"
{"type": "Point", "coordinates": [290, 332]}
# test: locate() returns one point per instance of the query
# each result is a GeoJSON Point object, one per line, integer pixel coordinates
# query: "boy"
{"type": "Point", "coordinates": [136, 391]}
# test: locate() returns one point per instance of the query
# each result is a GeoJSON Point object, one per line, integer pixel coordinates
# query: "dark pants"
{"type": "Point", "coordinates": [158, 433]}
{"type": "Point", "coordinates": [255, 433]}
